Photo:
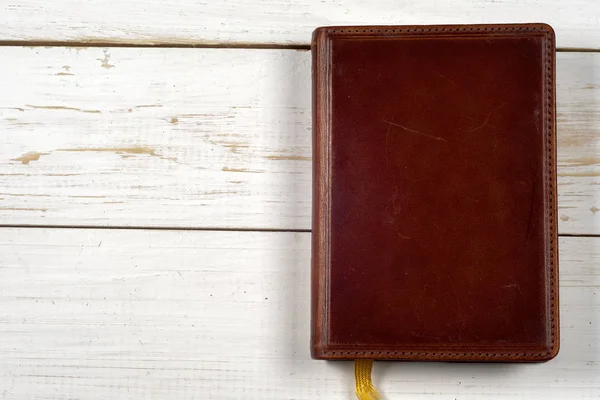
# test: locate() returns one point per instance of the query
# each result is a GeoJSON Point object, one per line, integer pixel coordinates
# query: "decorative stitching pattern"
{"type": "Point", "coordinates": [549, 132]}
{"type": "Point", "coordinates": [448, 354]}
{"type": "Point", "coordinates": [550, 154]}
{"type": "Point", "coordinates": [440, 29]}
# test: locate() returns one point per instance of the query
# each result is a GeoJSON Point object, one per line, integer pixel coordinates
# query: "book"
{"type": "Point", "coordinates": [434, 193]}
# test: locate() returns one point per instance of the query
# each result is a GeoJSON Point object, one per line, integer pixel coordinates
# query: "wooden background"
{"type": "Point", "coordinates": [155, 187]}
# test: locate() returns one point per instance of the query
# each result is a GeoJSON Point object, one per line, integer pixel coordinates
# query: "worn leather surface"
{"type": "Point", "coordinates": [434, 230]}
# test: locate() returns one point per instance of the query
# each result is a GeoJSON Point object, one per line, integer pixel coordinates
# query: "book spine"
{"type": "Point", "coordinates": [319, 259]}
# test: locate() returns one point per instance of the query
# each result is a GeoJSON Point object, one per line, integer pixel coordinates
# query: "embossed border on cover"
{"type": "Point", "coordinates": [321, 223]}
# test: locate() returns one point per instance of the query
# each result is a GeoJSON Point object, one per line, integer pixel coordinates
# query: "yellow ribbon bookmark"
{"type": "Point", "coordinates": [364, 386]}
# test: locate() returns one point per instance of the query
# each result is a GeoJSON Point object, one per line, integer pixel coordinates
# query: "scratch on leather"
{"type": "Point", "coordinates": [445, 77]}
{"type": "Point", "coordinates": [423, 335]}
{"type": "Point", "coordinates": [413, 131]}
{"type": "Point", "coordinates": [514, 286]}
{"type": "Point", "coordinates": [487, 119]}
{"type": "Point", "coordinates": [530, 219]}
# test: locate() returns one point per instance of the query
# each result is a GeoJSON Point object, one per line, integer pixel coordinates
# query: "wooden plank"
{"type": "Point", "coordinates": [578, 97]}
{"type": "Point", "coordinates": [206, 138]}
{"type": "Point", "coordinates": [91, 314]}
{"type": "Point", "coordinates": [156, 137]}
{"type": "Point", "coordinates": [576, 22]}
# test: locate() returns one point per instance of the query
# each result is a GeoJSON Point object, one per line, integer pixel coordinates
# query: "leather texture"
{"type": "Point", "coordinates": [434, 227]}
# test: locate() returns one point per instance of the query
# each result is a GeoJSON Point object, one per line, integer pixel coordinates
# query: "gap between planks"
{"type": "Point", "coordinates": [214, 229]}
{"type": "Point", "coordinates": [155, 228]}
{"type": "Point", "coordinates": [199, 45]}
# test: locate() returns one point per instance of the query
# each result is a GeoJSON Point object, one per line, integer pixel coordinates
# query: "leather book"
{"type": "Point", "coordinates": [434, 193]}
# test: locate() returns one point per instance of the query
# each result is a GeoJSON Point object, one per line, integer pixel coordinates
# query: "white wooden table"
{"type": "Point", "coordinates": [155, 169]}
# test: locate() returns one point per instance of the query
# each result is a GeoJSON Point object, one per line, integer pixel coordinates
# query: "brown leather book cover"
{"type": "Point", "coordinates": [434, 228]}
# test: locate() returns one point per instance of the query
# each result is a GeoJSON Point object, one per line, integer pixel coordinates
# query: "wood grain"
{"type": "Point", "coordinates": [228, 22]}
{"type": "Point", "coordinates": [206, 138]}
{"type": "Point", "coordinates": [129, 314]}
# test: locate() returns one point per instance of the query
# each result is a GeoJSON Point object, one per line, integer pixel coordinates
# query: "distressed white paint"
{"type": "Point", "coordinates": [578, 97]}
{"type": "Point", "coordinates": [130, 314]}
{"type": "Point", "coordinates": [577, 22]}
{"type": "Point", "coordinates": [182, 137]}
{"type": "Point", "coordinates": [206, 138]}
